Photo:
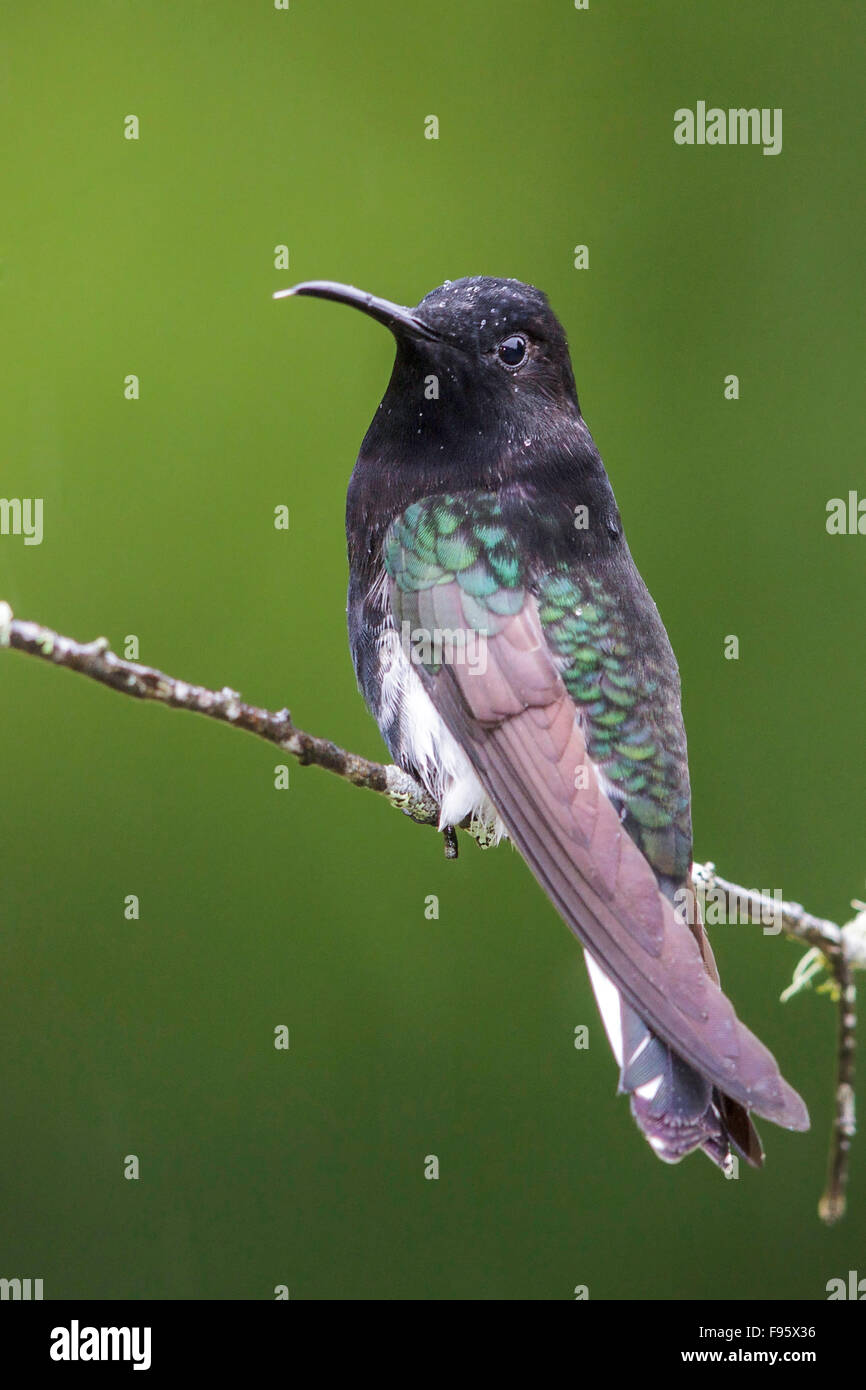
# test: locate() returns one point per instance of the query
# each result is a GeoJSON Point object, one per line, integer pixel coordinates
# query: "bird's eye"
{"type": "Point", "coordinates": [512, 350]}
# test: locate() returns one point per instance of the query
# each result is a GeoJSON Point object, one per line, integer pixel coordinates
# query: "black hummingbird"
{"type": "Point", "coordinates": [518, 668]}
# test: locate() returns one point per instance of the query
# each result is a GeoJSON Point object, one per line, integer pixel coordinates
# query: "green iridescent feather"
{"type": "Point", "coordinates": [631, 720]}
{"type": "Point", "coordinates": [449, 539]}
{"type": "Point", "coordinates": [627, 708]}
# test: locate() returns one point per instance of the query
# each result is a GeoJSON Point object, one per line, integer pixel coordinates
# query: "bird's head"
{"type": "Point", "coordinates": [492, 344]}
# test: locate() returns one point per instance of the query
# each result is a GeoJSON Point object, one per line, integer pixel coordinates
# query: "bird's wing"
{"type": "Point", "coordinates": [546, 681]}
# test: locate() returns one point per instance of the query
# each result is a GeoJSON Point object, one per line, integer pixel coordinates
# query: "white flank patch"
{"type": "Point", "coordinates": [445, 770]}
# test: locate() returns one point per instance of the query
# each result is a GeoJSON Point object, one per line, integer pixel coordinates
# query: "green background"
{"type": "Point", "coordinates": [306, 907]}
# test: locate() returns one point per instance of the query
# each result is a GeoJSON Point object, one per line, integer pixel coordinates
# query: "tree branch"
{"type": "Point", "coordinates": [839, 950]}
{"type": "Point", "coordinates": [96, 660]}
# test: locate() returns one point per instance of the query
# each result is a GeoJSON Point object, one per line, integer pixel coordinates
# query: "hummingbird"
{"type": "Point", "coordinates": [518, 668]}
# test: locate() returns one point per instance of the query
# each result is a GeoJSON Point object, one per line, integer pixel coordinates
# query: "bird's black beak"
{"type": "Point", "coordinates": [401, 321]}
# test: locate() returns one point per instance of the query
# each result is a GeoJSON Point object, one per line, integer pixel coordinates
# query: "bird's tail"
{"type": "Point", "coordinates": [677, 1109]}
